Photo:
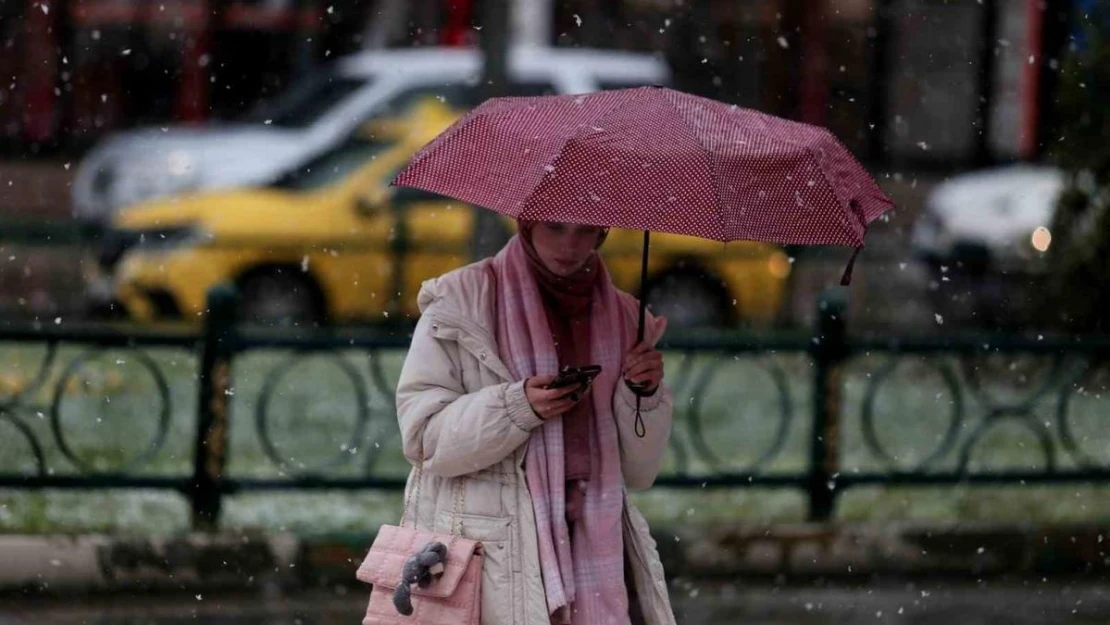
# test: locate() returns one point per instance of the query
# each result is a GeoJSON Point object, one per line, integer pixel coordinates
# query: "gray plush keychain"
{"type": "Point", "coordinates": [419, 569]}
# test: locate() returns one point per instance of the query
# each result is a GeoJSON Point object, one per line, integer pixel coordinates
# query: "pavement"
{"type": "Point", "coordinates": [60, 564]}
{"type": "Point", "coordinates": [752, 602]}
{"type": "Point", "coordinates": [808, 574]}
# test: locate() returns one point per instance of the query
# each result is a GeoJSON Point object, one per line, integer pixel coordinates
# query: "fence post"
{"type": "Point", "coordinates": [214, 414]}
{"type": "Point", "coordinates": [829, 352]}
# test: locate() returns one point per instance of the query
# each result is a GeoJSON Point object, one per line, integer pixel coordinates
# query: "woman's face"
{"type": "Point", "coordinates": [564, 248]}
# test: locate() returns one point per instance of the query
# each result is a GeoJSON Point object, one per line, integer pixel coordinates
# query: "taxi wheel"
{"type": "Point", "coordinates": [280, 297]}
{"type": "Point", "coordinates": [690, 299]}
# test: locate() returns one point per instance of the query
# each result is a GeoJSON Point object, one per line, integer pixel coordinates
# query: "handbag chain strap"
{"type": "Point", "coordinates": [413, 499]}
{"type": "Point", "coordinates": [417, 478]}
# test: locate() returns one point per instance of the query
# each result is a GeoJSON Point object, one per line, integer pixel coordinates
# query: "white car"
{"type": "Point", "coordinates": [325, 108]}
{"type": "Point", "coordinates": [997, 219]}
{"type": "Point", "coordinates": [984, 237]}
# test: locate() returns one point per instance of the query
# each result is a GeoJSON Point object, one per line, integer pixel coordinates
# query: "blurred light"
{"type": "Point", "coordinates": [180, 163]}
{"type": "Point", "coordinates": [1042, 239]}
{"type": "Point", "coordinates": [778, 265]}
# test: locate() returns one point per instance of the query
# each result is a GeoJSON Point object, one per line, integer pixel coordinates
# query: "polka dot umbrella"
{"type": "Point", "coordinates": [653, 159]}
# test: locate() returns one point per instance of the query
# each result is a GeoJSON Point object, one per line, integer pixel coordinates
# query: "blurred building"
{"type": "Point", "coordinates": [77, 69]}
{"type": "Point", "coordinates": [909, 83]}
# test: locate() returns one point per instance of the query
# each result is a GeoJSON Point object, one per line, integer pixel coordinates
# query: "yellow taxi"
{"type": "Point", "coordinates": [333, 243]}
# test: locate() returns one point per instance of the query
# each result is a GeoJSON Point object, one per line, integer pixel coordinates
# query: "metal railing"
{"type": "Point", "coordinates": [858, 391]}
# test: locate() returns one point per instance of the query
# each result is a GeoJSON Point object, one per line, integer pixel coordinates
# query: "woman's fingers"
{"type": "Point", "coordinates": [653, 376]}
{"type": "Point", "coordinates": [550, 403]}
{"type": "Point", "coordinates": [637, 361]}
{"type": "Point", "coordinates": [645, 368]}
{"type": "Point", "coordinates": [555, 408]}
{"type": "Point", "coordinates": [539, 381]}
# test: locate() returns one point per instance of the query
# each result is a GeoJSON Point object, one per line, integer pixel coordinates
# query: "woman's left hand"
{"type": "Point", "coordinates": [643, 364]}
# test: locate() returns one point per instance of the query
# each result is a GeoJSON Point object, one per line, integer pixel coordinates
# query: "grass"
{"type": "Point", "coordinates": [112, 411]}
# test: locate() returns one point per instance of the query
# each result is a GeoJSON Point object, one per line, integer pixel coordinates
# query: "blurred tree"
{"type": "Point", "coordinates": [1080, 251]}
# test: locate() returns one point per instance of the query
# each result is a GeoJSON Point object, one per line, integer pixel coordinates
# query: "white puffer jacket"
{"type": "Point", "coordinates": [463, 414]}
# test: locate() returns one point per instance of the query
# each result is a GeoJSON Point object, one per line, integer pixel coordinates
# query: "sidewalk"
{"type": "Point", "coordinates": [929, 602]}
{"type": "Point", "coordinates": [64, 564]}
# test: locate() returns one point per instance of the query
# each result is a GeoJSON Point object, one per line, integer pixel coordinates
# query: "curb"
{"type": "Point", "coordinates": [55, 564]}
{"type": "Point", "coordinates": [897, 549]}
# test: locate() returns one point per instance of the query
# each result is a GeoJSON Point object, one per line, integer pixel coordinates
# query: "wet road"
{"type": "Point", "coordinates": [1030, 603]}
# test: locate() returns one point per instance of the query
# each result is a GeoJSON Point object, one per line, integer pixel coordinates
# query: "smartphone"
{"type": "Point", "coordinates": [570, 376]}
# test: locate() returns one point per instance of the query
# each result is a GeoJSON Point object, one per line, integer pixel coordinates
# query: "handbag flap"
{"type": "Point", "coordinates": [394, 545]}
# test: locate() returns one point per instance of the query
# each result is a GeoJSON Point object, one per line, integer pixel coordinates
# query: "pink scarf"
{"type": "Point", "coordinates": [583, 571]}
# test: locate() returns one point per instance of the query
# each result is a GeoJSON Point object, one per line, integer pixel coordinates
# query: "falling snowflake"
{"type": "Point", "coordinates": [577, 20]}
{"type": "Point", "coordinates": [783, 43]}
{"type": "Point", "coordinates": [940, 319]}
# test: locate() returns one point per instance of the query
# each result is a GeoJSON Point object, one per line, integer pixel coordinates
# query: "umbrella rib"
{"type": "Point", "coordinates": [712, 168]}
{"type": "Point", "coordinates": [577, 134]}
{"type": "Point", "coordinates": [836, 193]}
{"type": "Point", "coordinates": [470, 117]}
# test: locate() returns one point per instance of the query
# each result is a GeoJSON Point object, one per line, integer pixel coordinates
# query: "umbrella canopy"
{"type": "Point", "coordinates": [653, 159]}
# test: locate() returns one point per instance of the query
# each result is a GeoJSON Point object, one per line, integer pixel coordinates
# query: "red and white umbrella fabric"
{"type": "Point", "coordinates": [654, 159]}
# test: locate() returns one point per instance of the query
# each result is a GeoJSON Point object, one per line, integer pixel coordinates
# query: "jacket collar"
{"type": "Point", "coordinates": [459, 310]}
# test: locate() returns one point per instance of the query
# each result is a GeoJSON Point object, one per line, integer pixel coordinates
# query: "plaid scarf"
{"type": "Point", "coordinates": [583, 569]}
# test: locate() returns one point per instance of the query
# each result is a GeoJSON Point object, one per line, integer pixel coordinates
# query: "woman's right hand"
{"type": "Point", "coordinates": [550, 403]}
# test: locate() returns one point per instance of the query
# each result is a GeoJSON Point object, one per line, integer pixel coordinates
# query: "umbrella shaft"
{"type": "Point", "coordinates": [643, 286]}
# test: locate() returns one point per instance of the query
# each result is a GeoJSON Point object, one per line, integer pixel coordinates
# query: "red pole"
{"type": "Point", "coordinates": [1031, 75]}
{"type": "Point", "coordinates": [191, 104]}
{"type": "Point", "coordinates": [40, 71]}
{"type": "Point", "coordinates": [456, 32]}
{"type": "Point", "coordinates": [814, 88]}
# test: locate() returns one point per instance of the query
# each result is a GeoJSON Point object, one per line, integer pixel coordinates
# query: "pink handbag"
{"type": "Point", "coordinates": [454, 597]}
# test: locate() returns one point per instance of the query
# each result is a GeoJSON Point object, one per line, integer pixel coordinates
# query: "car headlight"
{"type": "Point", "coordinates": [1041, 239]}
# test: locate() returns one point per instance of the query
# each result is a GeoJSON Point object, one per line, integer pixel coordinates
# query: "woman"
{"type": "Point", "coordinates": [539, 475]}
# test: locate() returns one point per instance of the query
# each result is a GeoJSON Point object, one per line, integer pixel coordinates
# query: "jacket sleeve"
{"type": "Point", "coordinates": [453, 431]}
{"type": "Point", "coordinates": [641, 457]}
